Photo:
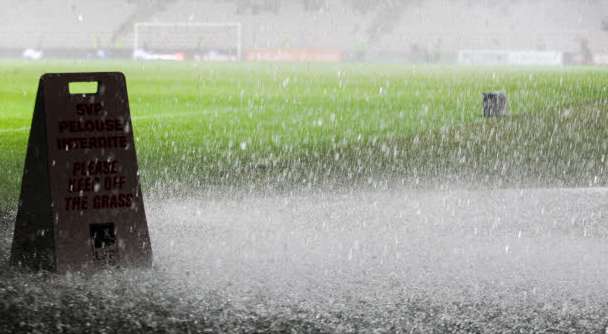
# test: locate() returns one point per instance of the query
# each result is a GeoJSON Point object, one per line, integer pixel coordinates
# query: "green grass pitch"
{"type": "Point", "coordinates": [268, 125]}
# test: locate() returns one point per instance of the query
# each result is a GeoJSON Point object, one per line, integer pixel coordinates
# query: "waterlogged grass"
{"type": "Point", "coordinates": [72, 305]}
{"type": "Point", "coordinates": [249, 271]}
{"type": "Point", "coordinates": [285, 125]}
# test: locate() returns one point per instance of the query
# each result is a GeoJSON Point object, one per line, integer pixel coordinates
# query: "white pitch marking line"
{"type": "Point", "coordinates": [23, 129]}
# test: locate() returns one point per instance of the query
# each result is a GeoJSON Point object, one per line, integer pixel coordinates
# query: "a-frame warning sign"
{"type": "Point", "coordinates": [81, 206]}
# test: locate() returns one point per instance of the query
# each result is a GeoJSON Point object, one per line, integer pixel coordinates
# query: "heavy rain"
{"type": "Point", "coordinates": [309, 166]}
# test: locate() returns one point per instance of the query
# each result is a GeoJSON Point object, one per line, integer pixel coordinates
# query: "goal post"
{"type": "Point", "coordinates": [198, 40]}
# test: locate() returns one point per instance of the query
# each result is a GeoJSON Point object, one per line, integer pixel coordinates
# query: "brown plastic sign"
{"type": "Point", "coordinates": [81, 206]}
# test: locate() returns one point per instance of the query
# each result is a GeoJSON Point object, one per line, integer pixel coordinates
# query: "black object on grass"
{"type": "Point", "coordinates": [495, 104]}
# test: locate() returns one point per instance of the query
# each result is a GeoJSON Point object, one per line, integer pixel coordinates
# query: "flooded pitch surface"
{"type": "Point", "coordinates": [529, 260]}
{"type": "Point", "coordinates": [375, 246]}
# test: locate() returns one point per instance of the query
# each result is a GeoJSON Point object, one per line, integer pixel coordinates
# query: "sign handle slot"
{"type": "Point", "coordinates": [84, 87]}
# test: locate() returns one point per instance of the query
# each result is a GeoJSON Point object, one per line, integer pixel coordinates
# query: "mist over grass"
{"type": "Point", "coordinates": [403, 260]}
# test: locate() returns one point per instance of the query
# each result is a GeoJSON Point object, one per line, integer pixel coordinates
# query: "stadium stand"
{"type": "Point", "coordinates": [433, 30]}
{"type": "Point", "coordinates": [63, 24]}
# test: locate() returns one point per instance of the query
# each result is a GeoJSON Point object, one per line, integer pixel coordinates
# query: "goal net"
{"type": "Point", "coordinates": [201, 41]}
